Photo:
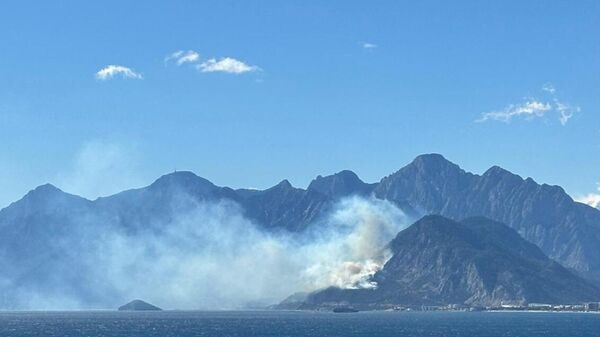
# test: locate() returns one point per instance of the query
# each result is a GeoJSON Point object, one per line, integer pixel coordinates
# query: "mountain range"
{"type": "Point", "coordinates": [34, 227]}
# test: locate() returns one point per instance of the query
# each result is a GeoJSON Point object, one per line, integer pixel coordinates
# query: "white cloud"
{"type": "Point", "coordinates": [180, 57]}
{"type": "Point", "coordinates": [112, 70]}
{"type": "Point", "coordinates": [226, 65]}
{"type": "Point", "coordinates": [534, 108]}
{"type": "Point", "coordinates": [529, 109]}
{"type": "Point", "coordinates": [591, 199]}
{"type": "Point", "coordinates": [368, 45]}
{"type": "Point", "coordinates": [566, 111]}
{"type": "Point", "coordinates": [548, 87]}
{"type": "Point", "coordinates": [223, 64]}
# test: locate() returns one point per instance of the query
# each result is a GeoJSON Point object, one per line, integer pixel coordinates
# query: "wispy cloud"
{"type": "Point", "coordinates": [592, 199]}
{"type": "Point", "coordinates": [548, 87]}
{"type": "Point", "coordinates": [533, 107]}
{"type": "Point", "coordinates": [226, 65]}
{"type": "Point", "coordinates": [368, 45]}
{"type": "Point", "coordinates": [566, 111]}
{"type": "Point", "coordinates": [528, 109]}
{"type": "Point", "coordinates": [181, 57]}
{"type": "Point", "coordinates": [113, 70]}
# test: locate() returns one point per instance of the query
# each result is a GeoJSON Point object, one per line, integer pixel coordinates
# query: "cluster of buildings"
{"type": "Point", "coordinates": [582, 307]}
{"type": "Point", "coordinates": [590, 306]}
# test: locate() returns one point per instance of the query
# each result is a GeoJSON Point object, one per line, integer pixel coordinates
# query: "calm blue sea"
{"type": "Point", "coordinates": [258, 323]}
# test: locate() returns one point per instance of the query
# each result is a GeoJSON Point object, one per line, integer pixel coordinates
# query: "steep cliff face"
{"type": "Point", "coordinates": [476, 262]}
{"type": "Point", "coordinates": [545, 215]}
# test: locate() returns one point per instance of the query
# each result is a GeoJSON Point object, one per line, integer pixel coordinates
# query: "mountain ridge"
{"type": "Point", "coordinates": [566, 231]}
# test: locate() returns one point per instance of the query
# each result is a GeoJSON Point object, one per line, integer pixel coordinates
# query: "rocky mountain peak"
{"type": "Point", "coordinates": [46, 190]}
{"type": "Point", "coordinates": [184, 180]}
{"type": "Point", "coordinates": [431, 162]}
{"type": "Point", "coordinates": [339, 184]}
{"type": "Point", "coordinates": [498, 172]}
{"type": "Point", "coordinates": [283, 185]}
{"type": "Point", "coordinates": [48, 194]}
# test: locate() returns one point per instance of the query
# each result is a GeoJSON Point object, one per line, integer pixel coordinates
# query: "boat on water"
{"type": "Point", "coordinates": [338, 310]}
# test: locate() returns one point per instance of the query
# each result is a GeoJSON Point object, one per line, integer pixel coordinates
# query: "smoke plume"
{"type": "Point", "coordinates": [212, 257]}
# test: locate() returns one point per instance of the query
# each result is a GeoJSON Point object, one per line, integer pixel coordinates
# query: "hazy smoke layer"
{"type": "Point", "coordinates": [214, 258]}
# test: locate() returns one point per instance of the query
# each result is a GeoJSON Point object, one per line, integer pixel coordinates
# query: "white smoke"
{"type": "Point", "coordinates": [101, 168]}
{"type": "Point", "coordinates": [214, 258]}
{"type": "Point", "coordinates": [353, 244]}
{"type": "Point", "coordinates": [591, 199]}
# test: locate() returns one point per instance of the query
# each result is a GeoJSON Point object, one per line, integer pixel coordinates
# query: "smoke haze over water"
{"type": "Point", "coordinates": [212, 257]}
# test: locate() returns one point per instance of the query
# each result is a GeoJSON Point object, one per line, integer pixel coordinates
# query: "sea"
{"type": "Point", "coordinates": [290, 323]}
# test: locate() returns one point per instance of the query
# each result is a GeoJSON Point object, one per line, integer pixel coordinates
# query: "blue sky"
{"type": "Point", "coordinates": [320, 87]}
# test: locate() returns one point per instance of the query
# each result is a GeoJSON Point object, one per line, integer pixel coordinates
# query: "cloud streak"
{"type": "Point", "coordinates": [566, 111]}
{"type": "Point", "coordinates": [113, 70]}
{"type": "Point", "coordinates": [532, 108]}
{"type": "Point", "coordinates": [548, 87]}
{"type": "Point", "coordinates": [226, 65]}
{"type": "Point", "coordinates": [529, 110]}
{"type": "Point", "coordinates": [181, 57]}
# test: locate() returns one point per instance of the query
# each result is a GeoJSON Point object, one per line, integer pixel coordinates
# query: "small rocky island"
{"type": "Point", "coordinates": [139, 305]}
